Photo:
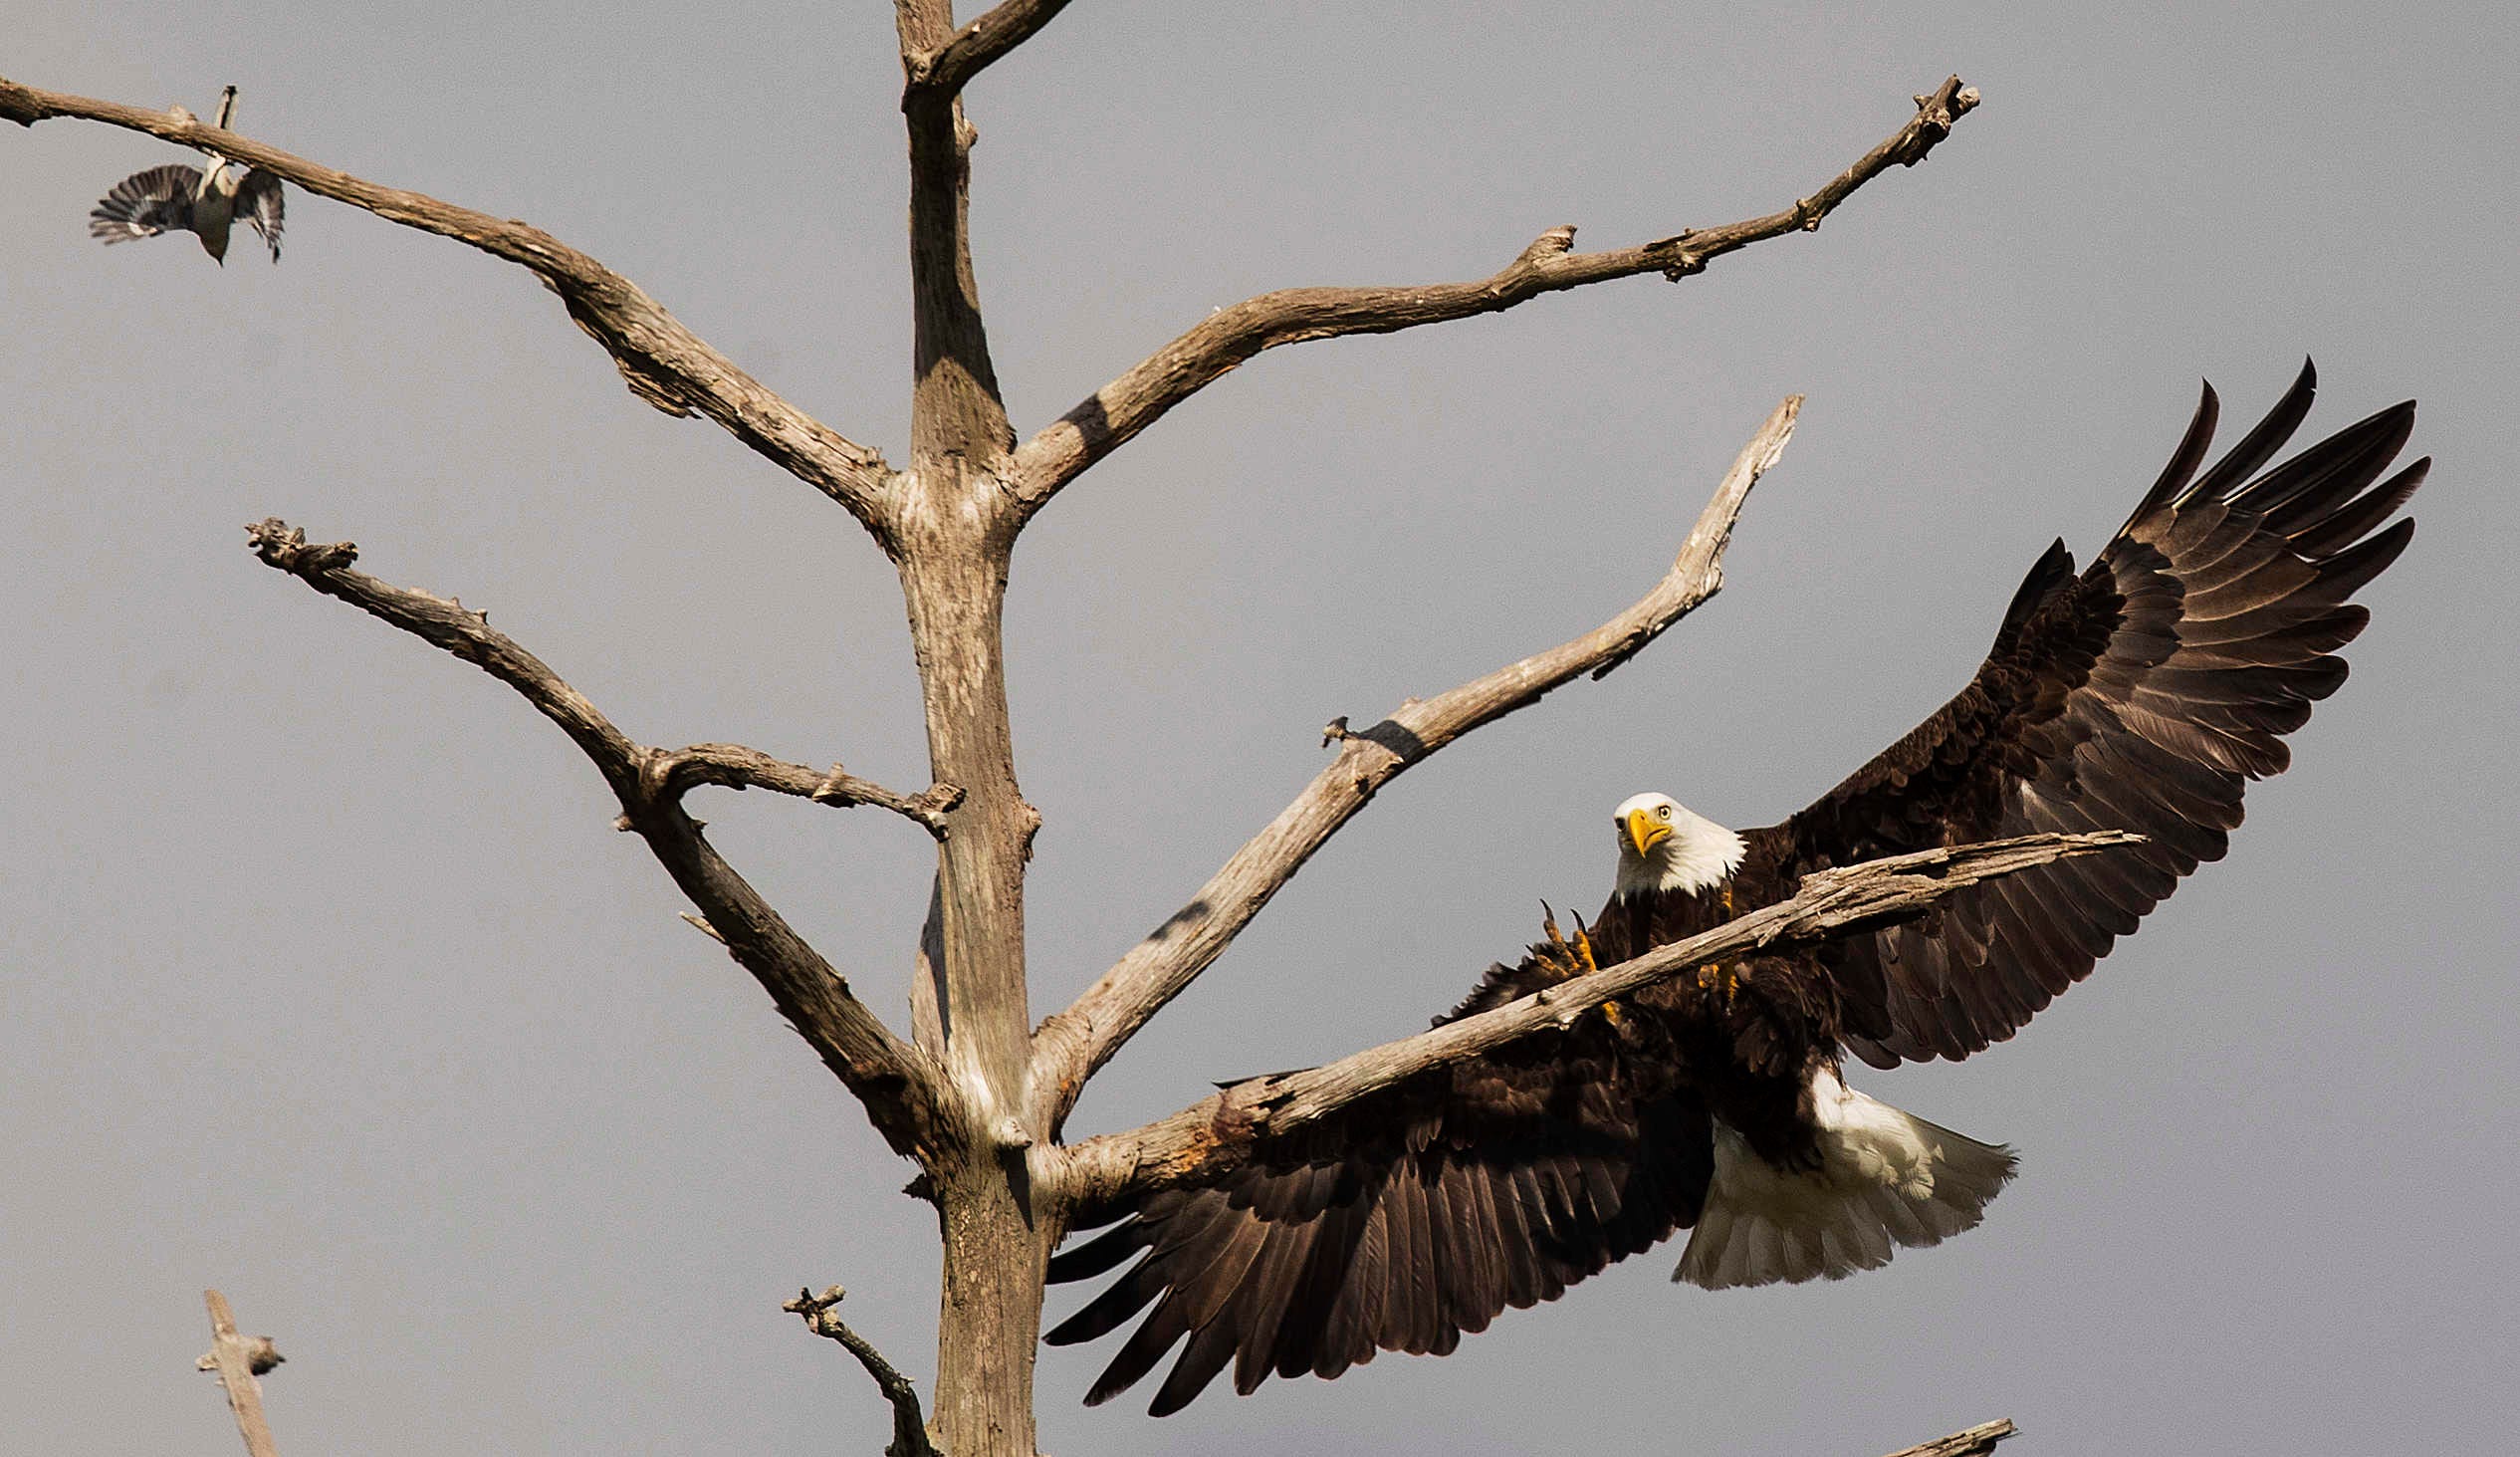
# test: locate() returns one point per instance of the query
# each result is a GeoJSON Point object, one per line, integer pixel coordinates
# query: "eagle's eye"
{"type": "Point", "coordinates": [1662, 812]}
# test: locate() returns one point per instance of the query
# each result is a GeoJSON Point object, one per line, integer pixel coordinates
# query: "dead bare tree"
{"type": "Point", "coordinates": [977, 1095]}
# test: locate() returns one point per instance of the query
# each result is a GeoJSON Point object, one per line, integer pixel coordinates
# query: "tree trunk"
{"type": "Point", "coordinates": [996, 1247]}
{"type": "Point", "coordinates": [954, 534]}
{"type": "Point", "coordinates": [954, 580]}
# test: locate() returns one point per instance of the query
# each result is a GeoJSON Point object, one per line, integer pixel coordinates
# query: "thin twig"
{"type": "Point", "coordinates": [1233, 335]}
{"type": "Point", "coordinates": [737, 766]}
{"type": "Point", "coordinates": [239, 1359]}
{"type": "Point", "coordinates": [1073, 1044]}
{"type": "Point", "coordinates": [897, 1084]}
{"type": "Point", "coordinates": [1976, 1441]}
{"type": "Point", "coordinates": [662, 361]}
{"type": "Point", "coordinates": [909, 1428]}
{"type": "Point", "coordinates": [1216, 1134]}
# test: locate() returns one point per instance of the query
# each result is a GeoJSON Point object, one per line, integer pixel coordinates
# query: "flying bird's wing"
{"type": "Point", "coordinates": [2141, 694]}
{"type": "Point", "coordinates": [1406, 1219]}
{"type": "Point", "coordinates": [258, 202]}
{"type": "Point", "coordinates": [144, 205]}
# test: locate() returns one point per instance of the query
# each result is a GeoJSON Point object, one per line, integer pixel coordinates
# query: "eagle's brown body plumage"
{"type": "Point", "coordinates": [2141, 693]}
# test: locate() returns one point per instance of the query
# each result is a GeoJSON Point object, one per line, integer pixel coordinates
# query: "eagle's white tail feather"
{"type": "Point", "coordinates": [1886, 1178]}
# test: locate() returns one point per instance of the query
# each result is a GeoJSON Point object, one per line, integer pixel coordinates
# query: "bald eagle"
{"type": "Point", "coordinates": [2140, 693]}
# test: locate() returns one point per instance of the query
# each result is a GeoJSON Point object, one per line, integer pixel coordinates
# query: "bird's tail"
{"type": "Point", "coordinates": [1886, 1178]}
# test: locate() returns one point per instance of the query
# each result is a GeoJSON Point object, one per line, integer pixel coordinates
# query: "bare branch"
{"type": "Point", "coordinates": [1231, 336]}
{"type": "Point", "coordinates": [1073, 1044]}
{"type": "Point", "coordinates": [1976, 1441]}
{"type": "Point", "coordinates": [737, 766]}
{"type": "Point", "coordinates": [460, 631]}
{"type": "Point", "coordinates": [239, 1359]}
{"type": "Point", "coordinates": [663, 362]}
{"type": "Point", "coordinates": [909, 1428]}
{"type": "Point", "coordinates": [896, 1082]}
{"type": "Point", "coordinates": [1216, 1134]}
{"type": "Point", "coordinates": [980, 43]}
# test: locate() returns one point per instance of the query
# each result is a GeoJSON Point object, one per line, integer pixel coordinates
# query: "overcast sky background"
{"type": "Point", "coordinates": [326, 982]}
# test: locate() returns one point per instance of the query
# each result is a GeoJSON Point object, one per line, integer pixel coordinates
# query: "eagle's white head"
{"type": "Point", "coordinates": [1662, 847]}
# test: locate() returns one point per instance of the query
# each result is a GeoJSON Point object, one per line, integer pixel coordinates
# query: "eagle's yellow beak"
{"type": "Point", "coordinates": [1645, 832]}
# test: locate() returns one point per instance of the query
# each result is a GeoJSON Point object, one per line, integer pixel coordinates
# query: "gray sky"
{"type": "Point", "coordinates": [326, 981]}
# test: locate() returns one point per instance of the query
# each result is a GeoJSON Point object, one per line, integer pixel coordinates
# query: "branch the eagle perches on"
{"type": "Point", "coordinates": [976, 1093]}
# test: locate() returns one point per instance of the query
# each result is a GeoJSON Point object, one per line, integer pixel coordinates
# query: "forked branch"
{"type": "Point", "coordinates": [955, 411]}
{"type": "Point", "coordinates": [1070, 1045]}
{"type": "Point", "coordinates": [1225, 338]}
{"type": "Point", "coordinates": [895, 1081]}
{"type": "Point", "coordinates": [949, 68]}
{"type": "Point", "coordinates": [1216, 1134]}
{"type": "Point", "coordinates": [663, 362]}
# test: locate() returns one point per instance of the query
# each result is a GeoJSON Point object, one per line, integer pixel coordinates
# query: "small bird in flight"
{"type": "Point", "coordinates": [203, 201]}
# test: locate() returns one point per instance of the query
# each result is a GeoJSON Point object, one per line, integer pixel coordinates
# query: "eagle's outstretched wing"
{"type": "Point", "coordinates": [1406, 1219]}
{"type": "Point", "coordinates": [258, 202]}
{"type": "Point", "coordinates": [2141, 694]}
{"type": "Point", "coordinates": [144, 205]}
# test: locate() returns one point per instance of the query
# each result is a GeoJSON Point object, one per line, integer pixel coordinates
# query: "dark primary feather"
{"type": "Point", "coordinates": [2140, 693]}
{"type": "Point", "coordinates": [258, 202]}
{"type": "Point", "coordinates": [144, 205]}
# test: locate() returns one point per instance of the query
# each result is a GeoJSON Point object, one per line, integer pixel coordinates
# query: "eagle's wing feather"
{"type": "Point", "coordinates": [1406, 1219]}
{"type": "Point", "coordinates": [2141, 694]}
{"type": "Point", "coordinates": [258, 202]}
{"type": "Point", "coordinates": [144, 205]}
